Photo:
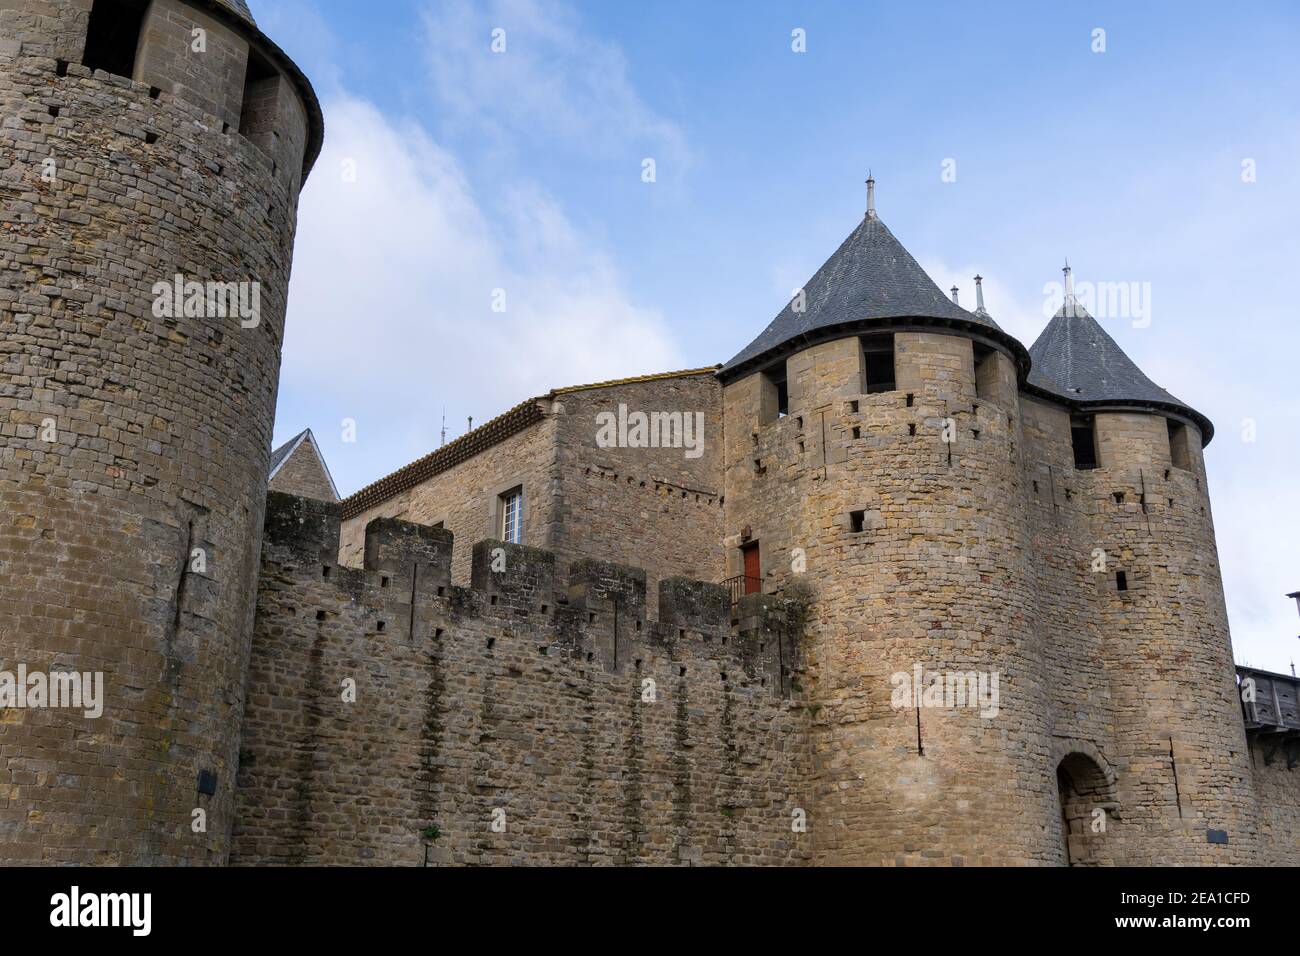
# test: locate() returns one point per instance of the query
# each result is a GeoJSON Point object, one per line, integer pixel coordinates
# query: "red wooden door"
{"type": "Point", "coordinates": [753, 576]}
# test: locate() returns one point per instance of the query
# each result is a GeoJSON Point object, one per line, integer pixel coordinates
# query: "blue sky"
{"type": "Point", "coordinates": [522, 171]}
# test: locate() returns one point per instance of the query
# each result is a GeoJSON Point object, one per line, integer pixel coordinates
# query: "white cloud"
{"type": "Point", "coordinates": [555, 82]}
{"type": "Point", "coordinates": [391, 303]}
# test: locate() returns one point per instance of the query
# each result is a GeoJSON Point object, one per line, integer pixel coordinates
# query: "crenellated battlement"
{"type": "Point", "coordinates": [545, 698]}
{"type": "Point", "coordinates": [595, 613]}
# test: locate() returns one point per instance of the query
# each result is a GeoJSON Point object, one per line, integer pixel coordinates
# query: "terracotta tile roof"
{"type": "Point", "coordinates": [711, 370]}
{"type": "Point", "coordinates": [449, 456]}
{"type": "Point", "coordinates": [479, 440]}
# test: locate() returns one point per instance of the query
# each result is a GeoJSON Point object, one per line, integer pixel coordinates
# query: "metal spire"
{"type": "Point", "coordinates": [1071, 303]}
{"type": "Point", "coordinates": [871, 196]}
{"type": "Point", "coordinates": [979, 296]}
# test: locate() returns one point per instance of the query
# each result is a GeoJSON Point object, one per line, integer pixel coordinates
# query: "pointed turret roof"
{"type": "Point", "coordinates": [238, 7]}
{"type": "Point", "coordinates": [1076, 359]}
{"type": "Point", "coordinates": [870, 280]}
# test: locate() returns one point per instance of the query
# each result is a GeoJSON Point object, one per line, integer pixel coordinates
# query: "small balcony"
{"type": "Point", "coordinates": [741, 585]}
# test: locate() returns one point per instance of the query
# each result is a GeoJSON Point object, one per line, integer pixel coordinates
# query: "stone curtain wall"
{"type": "Point", "coordinates": [161, 437]}
{"type": "Point", "coordinates": [522, 694]}
{"type": "Point", "coordinates": [1278, 786]}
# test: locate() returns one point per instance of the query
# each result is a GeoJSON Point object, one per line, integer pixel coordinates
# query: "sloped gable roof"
{"type": "Point", "coordinates": [281, 456]}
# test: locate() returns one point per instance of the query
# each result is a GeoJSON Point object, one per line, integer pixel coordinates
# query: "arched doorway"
{"type": "Point", "coordinates": [1087, 803]}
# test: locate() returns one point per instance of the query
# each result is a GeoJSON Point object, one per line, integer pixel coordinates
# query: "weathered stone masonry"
{"type": "Point", "coordinates": [916, 486]}
{"type": "Point", "coordinates": [128, 442]}
{"type": "Point", "coordinates": [524, 694]}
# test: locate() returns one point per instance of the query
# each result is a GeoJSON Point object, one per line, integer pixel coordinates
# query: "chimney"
{"type": "Point", "coordinates": [979, 296]}
{"type": "Point", "coordinates": [954, 296]}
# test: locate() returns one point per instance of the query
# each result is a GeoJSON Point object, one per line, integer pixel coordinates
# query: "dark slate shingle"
{"type": "Point", "coordinates": [284, 451]}
{"type": "Point", "coordinates": [240, 7]}
{"type": "Point", "coordinates": [870, 276]}
{"type": "Point", "coordinates": [1076, 359]}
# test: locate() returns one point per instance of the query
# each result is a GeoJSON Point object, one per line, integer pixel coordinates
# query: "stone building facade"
{"type": "Point", "coordinates": [887, 588]}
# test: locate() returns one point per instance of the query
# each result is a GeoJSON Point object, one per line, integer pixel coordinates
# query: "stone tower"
{"type": "Point", "coordinates": [1152, 612]}
{"type": "Point", "coordinates": [965, 510]}
{"type": "Point", "coordinates": [144, 147]}
{"type": "Point", "coordinates": [873, 438]}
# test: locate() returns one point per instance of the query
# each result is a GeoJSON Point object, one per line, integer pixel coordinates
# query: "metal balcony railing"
{"type": "Point", "coordinates": [741, 585]}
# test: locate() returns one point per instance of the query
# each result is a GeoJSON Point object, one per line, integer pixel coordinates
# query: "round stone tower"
{"type": "Point", "coordinates": [873, 450]}
{"type": "Point", "coordinates": [1143, 540]}
{"type": "Point", "coordinates": [151, 155]}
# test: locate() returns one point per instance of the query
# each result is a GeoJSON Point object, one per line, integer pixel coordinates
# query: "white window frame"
{"type": "Point", "coordinates": [512, 516]}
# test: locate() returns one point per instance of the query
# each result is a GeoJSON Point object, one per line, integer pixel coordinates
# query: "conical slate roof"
{"type": "Point", "coordinates": [870, 278]}
{"type": "Point", "coordinates": [238, 7]}
{"type": "Point", "coordinates": [1077, 360]}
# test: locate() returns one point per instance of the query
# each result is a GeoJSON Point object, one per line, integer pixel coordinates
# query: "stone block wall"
{"type": "Point", "coordinates": [465, 498]}
{"type": "Point", "coordinates": [213, 79]}
{"type": "Point", "coordinates": [1139, 673]}
{"type": "Point", "coordinates": [1275, 764]}
{"type": "Point", "coordinates": [133, 448]}
{"type": "Point", "coordinates": [654, 507]}
{"type": "Point", "coordinates": [517, 716]}
{"type": "Point", "coordinates": [918, 555]}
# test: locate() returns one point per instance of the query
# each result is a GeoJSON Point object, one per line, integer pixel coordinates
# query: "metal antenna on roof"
{"type": "Point", "coordinates": [871, 196]}
{"type": "Point", "coordinates": [979, 296]}
{"type": "Point", "coordinates": [444, 427]}
{"type": "Point", "coordinates": [954, 296]}
{"type": "Point", "coordinates": [471, 423]}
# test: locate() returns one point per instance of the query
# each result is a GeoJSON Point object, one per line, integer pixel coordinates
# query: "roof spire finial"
{"type": "Point", "coordinates": [954, 296]}
{"type": "Point", "coordinates": [1070, 301]}
{"type": "Point", "coordinates": [979, 296]}
{"type": "Point", "coordinates": [871, 195]}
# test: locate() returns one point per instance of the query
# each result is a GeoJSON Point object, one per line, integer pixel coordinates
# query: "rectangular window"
{"type": "Point", "coordinates": [114, 35]}
{"type": "Point", "coordinates": [1083, 435]}
{"type": "Point", "coordinates": [261, 99]}
{"type": "Point", "coordinates": [774, 401]}
{"type": "Point", "coordinates": [512, 516]}
{"type": "Point", "coordinates": [878, 364]}
{"type": "Point", "coordinates": [1178, 452]}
